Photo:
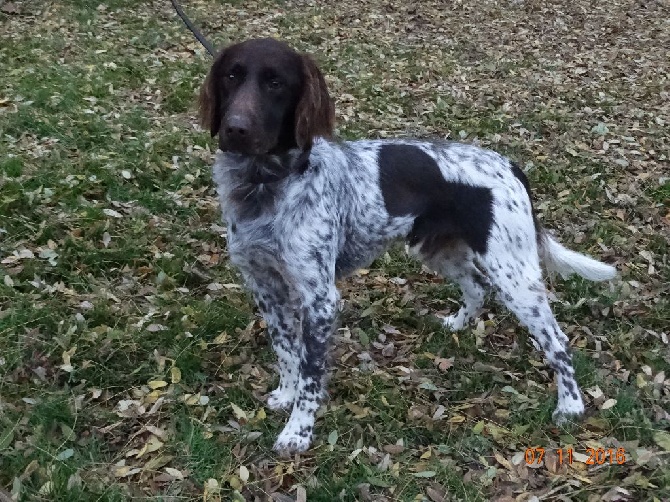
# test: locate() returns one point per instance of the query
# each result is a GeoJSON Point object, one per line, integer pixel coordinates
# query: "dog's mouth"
{"type": "Point", "coordinates": [247, 148]}
{"type": "Point", "coordinates": [255, 148]}
{"type": "Point", "coordinates": [268, 168]}
{"type": "Point", "coordinates": [258, 168]}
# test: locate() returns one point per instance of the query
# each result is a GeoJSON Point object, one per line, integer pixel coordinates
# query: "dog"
{"type": "Point", "coordinates": [303, 210]}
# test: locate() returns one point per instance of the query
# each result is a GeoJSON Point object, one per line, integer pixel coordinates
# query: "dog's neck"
{"type": "Point", "coordinates": [250, 184]}
{"type": "Point", "coordinates": [270, 168]}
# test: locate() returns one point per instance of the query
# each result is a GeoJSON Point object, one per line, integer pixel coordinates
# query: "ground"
{"type": "Point", "coordinates": [133, 365]}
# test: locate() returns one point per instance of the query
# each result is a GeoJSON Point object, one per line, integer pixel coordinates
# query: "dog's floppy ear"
{"type": "Point", "coordinates": [211, 96]}
{"type": "Point", "coordinates": [315, 113]}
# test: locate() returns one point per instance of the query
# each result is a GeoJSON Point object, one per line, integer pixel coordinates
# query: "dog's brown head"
{"type": "Point", "coordinates": [263, 97]}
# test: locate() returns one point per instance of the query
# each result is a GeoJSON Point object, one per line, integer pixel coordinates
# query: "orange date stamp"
{"type": "Point", "coordinates": [594, 456]}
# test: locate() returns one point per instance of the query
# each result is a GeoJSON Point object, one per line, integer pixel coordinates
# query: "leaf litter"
{"type": "Point", "coordinates": [114, 262]}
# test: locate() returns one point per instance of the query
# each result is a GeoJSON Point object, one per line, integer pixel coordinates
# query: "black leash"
{"type": "Point", "coordinates": [201, 38]}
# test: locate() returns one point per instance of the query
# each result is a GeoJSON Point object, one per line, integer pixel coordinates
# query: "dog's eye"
{"type": "Point", "coordinates": [275, 84]}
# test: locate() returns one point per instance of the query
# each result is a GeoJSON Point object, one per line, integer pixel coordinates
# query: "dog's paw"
{"type": "Point", "coordinates": [291, 441]}
{"type": "Point", "coordinates": [454, 322]}
{"type": "Point", "coordinates": [568, 411]}
{"type": "Point", "coordinates": [280, 399]}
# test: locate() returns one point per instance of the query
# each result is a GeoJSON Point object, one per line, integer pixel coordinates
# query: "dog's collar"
{"type": "Point", "coordinates": [274, 168]}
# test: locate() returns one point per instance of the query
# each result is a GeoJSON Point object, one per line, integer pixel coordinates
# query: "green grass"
{"type": "Point", "coordinates": [132, 363]}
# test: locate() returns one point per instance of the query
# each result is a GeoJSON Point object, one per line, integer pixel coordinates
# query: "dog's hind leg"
{"type": "Point", "coordinates": [457, 264]}
{"type": "Point", "coordinates": [472, 285]}
{"type": "Point", "coordinates": [521, 289]}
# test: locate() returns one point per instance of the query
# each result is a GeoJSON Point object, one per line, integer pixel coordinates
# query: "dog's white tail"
{"type": "Point", "coordinates": [558, 258]}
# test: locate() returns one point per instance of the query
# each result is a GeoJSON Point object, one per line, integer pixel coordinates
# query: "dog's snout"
{"type": "Point", "coordinates": [239, 134]}
{"type": "Point", "coordinates": [237, 127]}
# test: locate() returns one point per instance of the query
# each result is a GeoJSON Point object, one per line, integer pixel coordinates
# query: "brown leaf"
{"type": "Point", "coordinates": [552, 462]}
{"type": "Point", "coordinates": [436, 492]}
{"type": "Point", "coordinates": [444, 364]}
{"type": "Point", "coordinates": [393, 449]}
{"type": "Point", "coordinates": [9, 8]}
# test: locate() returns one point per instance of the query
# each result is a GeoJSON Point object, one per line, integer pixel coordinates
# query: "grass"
{"type": "Point", "coordinates": [132, 363]}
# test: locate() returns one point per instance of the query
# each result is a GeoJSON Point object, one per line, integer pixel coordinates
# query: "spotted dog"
{"type": "Point", "coordinates": [303, 210]}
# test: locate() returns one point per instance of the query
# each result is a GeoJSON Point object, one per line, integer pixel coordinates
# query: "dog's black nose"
{"type": "Point", "coordinates": [237, 128]}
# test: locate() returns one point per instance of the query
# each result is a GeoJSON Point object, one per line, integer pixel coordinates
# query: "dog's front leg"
{"type": "Point", "coordinates": [318, 319]}
{"type": "Point", "coordinates": [273, 298]}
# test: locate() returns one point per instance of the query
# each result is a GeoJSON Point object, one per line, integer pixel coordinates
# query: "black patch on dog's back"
{"type": "Point", "coordinates": [412, 184]}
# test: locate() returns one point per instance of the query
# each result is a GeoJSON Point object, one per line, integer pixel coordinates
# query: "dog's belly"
{"type": "Point", "coordinates": [364, 243]}
{"type": "Point", "coordinates": [354, 257]}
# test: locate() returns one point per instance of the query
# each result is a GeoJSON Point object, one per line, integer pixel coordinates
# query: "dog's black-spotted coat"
{"type": "Point", "coordinates": [303, 211]}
